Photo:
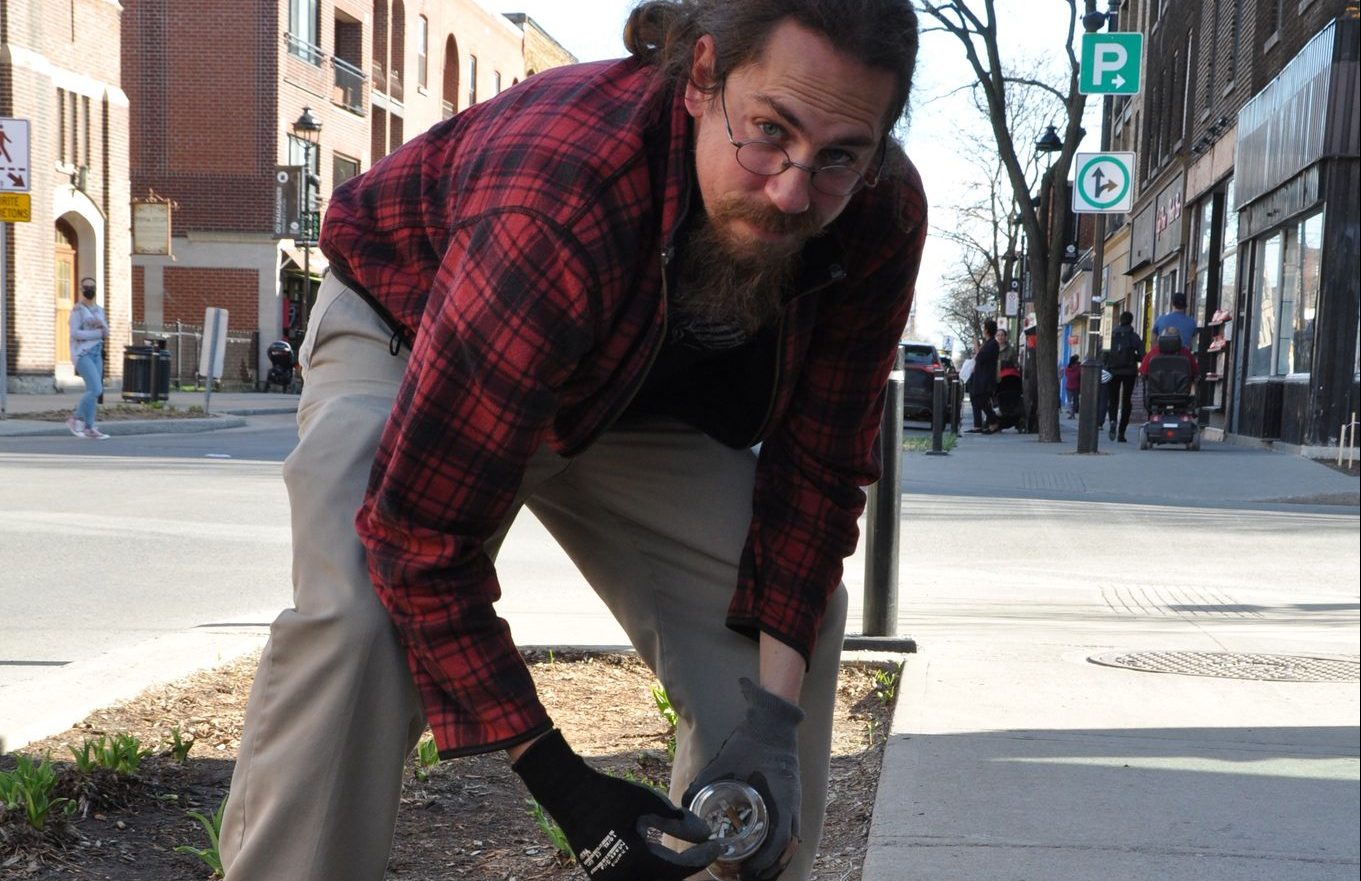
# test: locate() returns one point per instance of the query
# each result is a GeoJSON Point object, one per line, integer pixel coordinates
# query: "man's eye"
{"type": "Point", "coordinates": [769, 130]}
{"type": "Point", "coordinates": [838, 157]}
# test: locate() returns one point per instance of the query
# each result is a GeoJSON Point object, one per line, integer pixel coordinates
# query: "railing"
{"type": "Point", "coordinates": [349, 86]}
{"type": "Point", "coordinates": [240, 364]}
{"type": "Point", "coordinates": [302, 49]}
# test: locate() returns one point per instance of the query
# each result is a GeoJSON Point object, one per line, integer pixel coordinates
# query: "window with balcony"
{"type": "Point", "coordinates": [347, 63]}
{"type": "Point", "coordinates": [397, 70]}
{"type": "Point", "coordinates": [304, 30]}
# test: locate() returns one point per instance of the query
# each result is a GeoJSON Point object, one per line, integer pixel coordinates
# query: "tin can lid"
{"type": "Point", "coordinates": [736, 816]}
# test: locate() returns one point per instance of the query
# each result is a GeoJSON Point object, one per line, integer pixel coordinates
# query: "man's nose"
{"type": "Point", "coordinates": [791, 190]}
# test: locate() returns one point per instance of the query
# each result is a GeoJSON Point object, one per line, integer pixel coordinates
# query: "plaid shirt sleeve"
{"type": "Point", "coordinates": [808, 494]}
{"type": "Point", "coordinates": [475, 403]}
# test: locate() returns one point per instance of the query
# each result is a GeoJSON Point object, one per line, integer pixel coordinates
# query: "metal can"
{"type": "Point", "coordinates": [736, 815]}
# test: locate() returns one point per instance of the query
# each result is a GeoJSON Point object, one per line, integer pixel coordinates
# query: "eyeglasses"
{"type": "Point", "coordinates": [767, 159]}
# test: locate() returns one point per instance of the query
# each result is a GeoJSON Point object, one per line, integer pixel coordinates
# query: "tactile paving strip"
{"type": "Point", "coordinates": [1238, 665]}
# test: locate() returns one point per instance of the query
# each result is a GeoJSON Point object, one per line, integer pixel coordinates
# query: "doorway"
{"type": "Point", "coordinates": [64, 294]}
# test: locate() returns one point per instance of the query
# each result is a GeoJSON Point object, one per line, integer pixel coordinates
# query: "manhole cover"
{"type": "Point", "coordinates": [1236, 665]}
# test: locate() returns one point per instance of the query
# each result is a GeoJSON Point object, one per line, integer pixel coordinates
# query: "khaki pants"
{"type": "Point", "coordinates": [654, 515]}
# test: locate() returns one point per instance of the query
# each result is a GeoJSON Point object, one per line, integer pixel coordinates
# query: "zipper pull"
{"type": "Point", "coordinates": [668, 253]}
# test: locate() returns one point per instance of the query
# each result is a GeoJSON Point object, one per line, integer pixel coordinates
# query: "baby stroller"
{"type": "Point", "coordinates": [280, 355]}
{"type": "Point", "coordinates": [1168, 398]}
{"type": "Point", "coordinates": [1010, 399]}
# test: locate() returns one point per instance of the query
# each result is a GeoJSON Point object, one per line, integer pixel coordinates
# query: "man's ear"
{"type": "Point", "coordinates": [701, 77]}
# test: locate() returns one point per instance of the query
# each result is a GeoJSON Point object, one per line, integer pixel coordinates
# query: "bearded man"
{"type": "Point", "coordinates": [655, 301]}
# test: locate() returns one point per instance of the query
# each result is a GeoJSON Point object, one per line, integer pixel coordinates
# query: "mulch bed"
{"type": "Point", "coordinates": [459, 820]}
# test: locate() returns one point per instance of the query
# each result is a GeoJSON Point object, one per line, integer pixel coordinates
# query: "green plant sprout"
{"type": "Point", "coordinates": [29, 788]}
{"type": "Point", "coordinates": [213, 827]}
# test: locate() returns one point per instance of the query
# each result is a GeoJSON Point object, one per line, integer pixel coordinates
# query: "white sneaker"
{"type": "Point", "coordinates": [73, 426]}
{"type": "Point", "coordinates": [94, 434]}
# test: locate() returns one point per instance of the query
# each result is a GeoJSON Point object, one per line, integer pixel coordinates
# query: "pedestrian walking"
{"type": "Point", "coordinates": [88, 329]}
{"type": "Point", "coordinates": [1072, 383]}
{"type": "Point", "coordinates": [983, 383]}
{"type": "Point", "coordinates": [1122, 362]}
{"type": "Point", "coordinates": [594, 295]}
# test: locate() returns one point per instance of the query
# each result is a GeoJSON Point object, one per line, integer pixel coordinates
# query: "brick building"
{"type": "Point", "coordinates": [1246, 199]}
{"type": "Point", "coordinates": [540, 50]}
{"type": "Point", "coordinates": [216, 133]}
{"type": "Point", "coordinates": [57, 72]}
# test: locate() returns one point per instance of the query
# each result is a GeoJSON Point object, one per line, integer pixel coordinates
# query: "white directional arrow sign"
{"type": "Point", "coordinates": [1102, 183]}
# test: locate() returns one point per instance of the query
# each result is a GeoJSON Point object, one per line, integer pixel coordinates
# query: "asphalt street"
{"type": "Point", "coordinates": [111, 543]}
{"type": "Point", "coordinates": [106, 544]}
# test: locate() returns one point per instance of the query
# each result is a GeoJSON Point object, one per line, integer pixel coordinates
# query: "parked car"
{"type": "Point", "coordinates": [920, 362]}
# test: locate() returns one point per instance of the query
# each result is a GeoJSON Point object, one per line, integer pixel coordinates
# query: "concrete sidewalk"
{"type": "Point", "coordinates": [1033, 740]}
{"type": "Point", "coordinates": [229, 410]}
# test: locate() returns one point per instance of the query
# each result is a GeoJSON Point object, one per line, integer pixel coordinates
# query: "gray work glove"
{"type": "Point", "coordinates": [763, 752]}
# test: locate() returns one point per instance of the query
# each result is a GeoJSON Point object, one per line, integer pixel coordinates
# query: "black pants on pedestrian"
{"type": "Point", "coordinates": [1121, 395]}
{"type": "Point", "coordinates": [983, 415]}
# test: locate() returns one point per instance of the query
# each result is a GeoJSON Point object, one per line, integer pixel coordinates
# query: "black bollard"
{"type": "Point", "coordinates": [881, 519]}
{"type": "Point", "coordinates": [938, 414]}
{"type": "Point", "coordinates": [956, 402]}
{"type": "Point", "coordinates": [1089, 406]}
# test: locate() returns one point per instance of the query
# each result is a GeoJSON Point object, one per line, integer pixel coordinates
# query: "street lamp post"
{"type": "Point", "coordinates": [307, 129]}
{"type": "Point", "coordinates": [1089, 416]}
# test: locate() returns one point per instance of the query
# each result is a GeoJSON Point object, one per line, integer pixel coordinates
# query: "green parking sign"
{"type": "Point", "coordinates": [1111, 64]}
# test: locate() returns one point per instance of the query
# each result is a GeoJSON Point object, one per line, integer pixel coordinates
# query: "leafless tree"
{"type": "Point", "coordinates": [977, 32]}
{"type": "Point", "coordinates": [967, 292]}
{"type": "Point", "coordinates": [983, 231]}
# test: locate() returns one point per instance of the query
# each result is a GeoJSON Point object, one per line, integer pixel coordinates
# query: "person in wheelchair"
{"type": "Point", "coordinates": [1169, 371]}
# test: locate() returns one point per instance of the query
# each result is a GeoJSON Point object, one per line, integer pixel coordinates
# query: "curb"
{"type": "Point", "coordinates": [34, 428]}
{"type": "Point", "coordinates": [49, 705]}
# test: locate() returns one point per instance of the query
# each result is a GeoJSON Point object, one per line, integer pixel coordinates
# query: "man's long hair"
{"type": "Point", "coordinates": [878, 33]}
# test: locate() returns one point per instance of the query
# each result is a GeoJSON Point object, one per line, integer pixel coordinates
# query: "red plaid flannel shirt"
{"type": "Point", "coordinates": [523, 242]}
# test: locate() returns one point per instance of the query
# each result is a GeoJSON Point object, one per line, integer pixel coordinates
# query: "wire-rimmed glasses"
{"type": "Point", "coordinates": [768, 159]}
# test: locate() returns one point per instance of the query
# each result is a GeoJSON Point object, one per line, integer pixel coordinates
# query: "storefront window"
{"type": "Point", "coordinates": [1267, 281]}
{"type": "Point", "coordinates": [1289, 293]}
{"type": "Point", "coordinates": [1228, 270]}
{"type": "Point", "coordinates": [1286, 279]}
{"type": "Point", "coordinates": [1204, 228]}
{"type": "Point", "coordinates": [1306, 308]}
{"type": "Point", "coordinates": [1167, 286]}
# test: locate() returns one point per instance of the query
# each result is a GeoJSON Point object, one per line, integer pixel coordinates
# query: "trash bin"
{"type": "Point", "coordinates": [160, 372]}
{"type": "Point", "coordinates": [137, 366]}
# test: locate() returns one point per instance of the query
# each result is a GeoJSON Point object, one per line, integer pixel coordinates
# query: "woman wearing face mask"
{"type": "Point", "coordinates": [89, 329]}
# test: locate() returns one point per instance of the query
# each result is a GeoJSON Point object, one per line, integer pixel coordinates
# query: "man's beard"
{"type": "Point", "coordinates": [736, 283]}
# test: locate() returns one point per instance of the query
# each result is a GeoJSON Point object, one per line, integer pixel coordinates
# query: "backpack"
{"type": "Point", "coordinates": [1125, 346]}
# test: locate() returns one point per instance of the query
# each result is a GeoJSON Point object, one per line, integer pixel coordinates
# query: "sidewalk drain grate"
{"type": "Point", "coordinates": [1237, 665]}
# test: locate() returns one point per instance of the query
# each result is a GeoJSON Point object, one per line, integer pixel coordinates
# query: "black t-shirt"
{"type": "Point", "coordinates": [712, 376]}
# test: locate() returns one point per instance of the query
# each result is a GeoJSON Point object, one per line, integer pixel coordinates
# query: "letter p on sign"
{"type": "Point", "coordinates": [1111, 64]}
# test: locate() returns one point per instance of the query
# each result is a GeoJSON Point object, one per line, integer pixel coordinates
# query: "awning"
{"type": "Point", "coordinates": [294, 259]}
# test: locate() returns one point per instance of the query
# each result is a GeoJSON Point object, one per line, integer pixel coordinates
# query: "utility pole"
{"type": "Point", "coordinates": [1089, 415]}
